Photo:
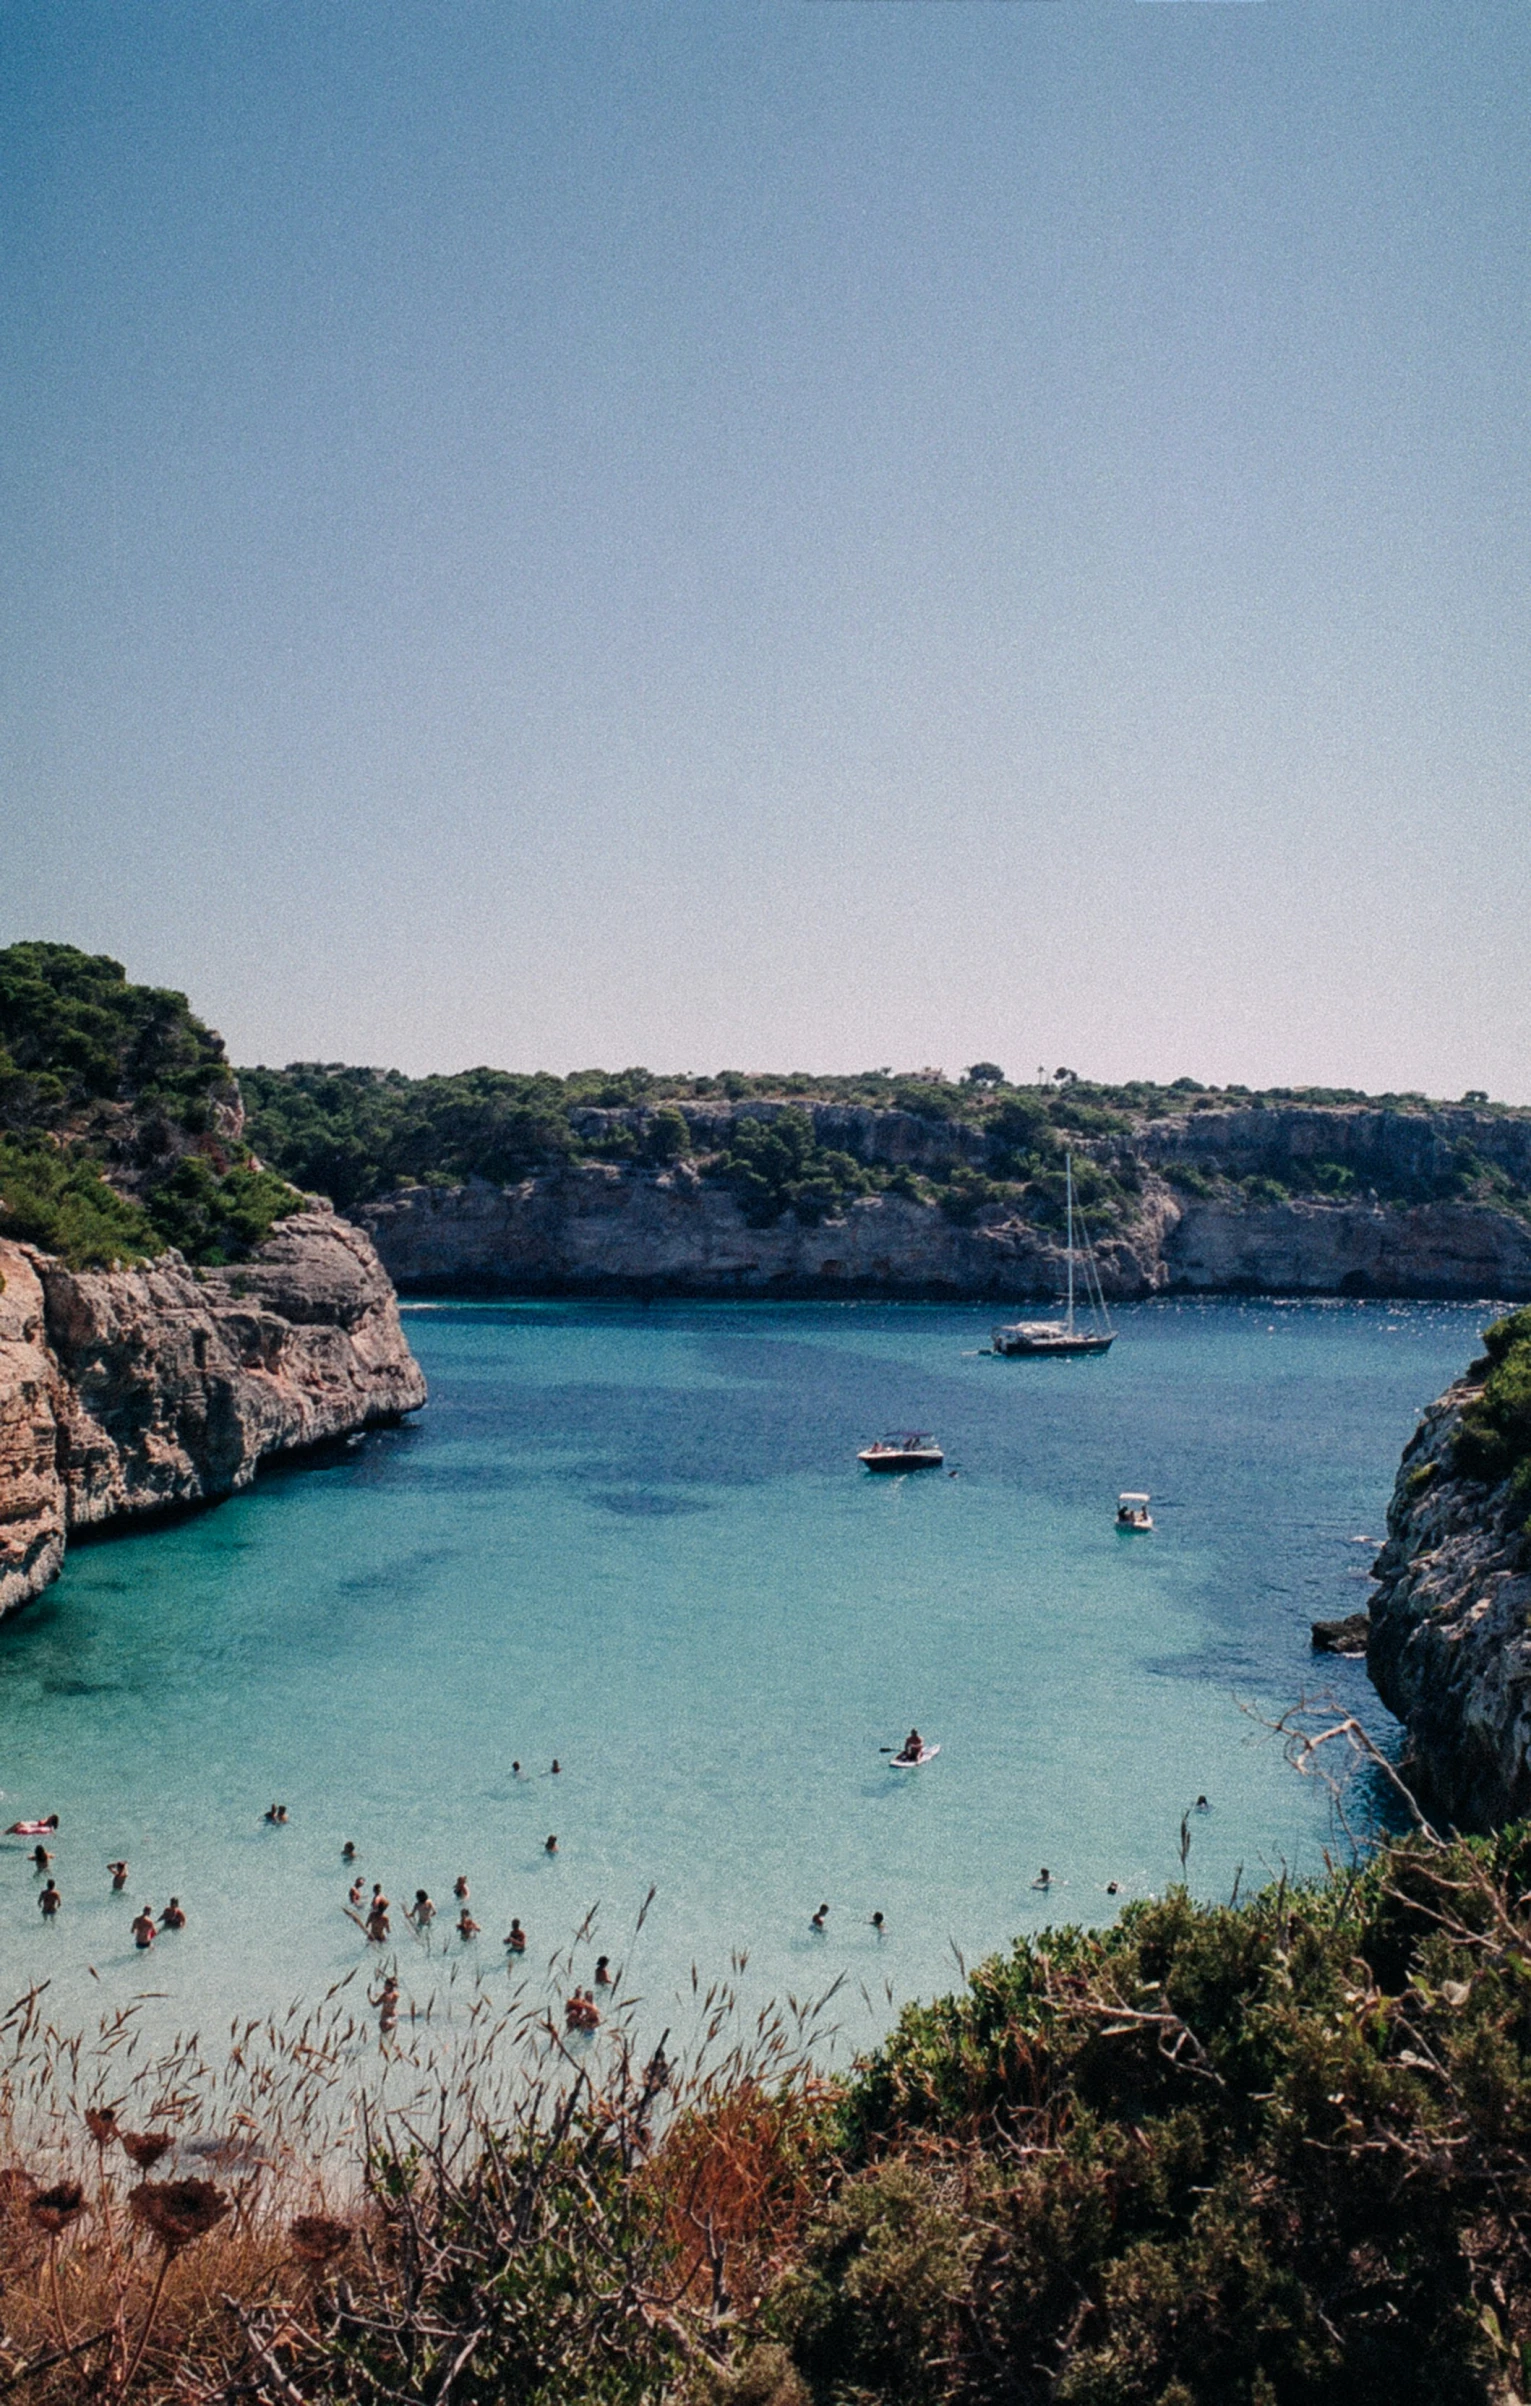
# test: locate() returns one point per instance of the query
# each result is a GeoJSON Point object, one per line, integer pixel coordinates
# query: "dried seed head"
{"type": "Point", "coordinates": [53, 2210]}
{"type": "Point", "coordinates": [147, 2146]}
{"type": "Point", "coordinates": [318, 2240]}
{"type": "Point", "coordinates": [101, 2122]}
{"type": "Point", "coordinates": [178, 2212]}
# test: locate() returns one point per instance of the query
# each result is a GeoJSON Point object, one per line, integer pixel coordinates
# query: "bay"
{"type": "Point", "coordinates": [636, 1539]}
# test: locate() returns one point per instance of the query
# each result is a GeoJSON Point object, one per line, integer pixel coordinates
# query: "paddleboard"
{"type": "Point", "coordinates": [912, 1762]}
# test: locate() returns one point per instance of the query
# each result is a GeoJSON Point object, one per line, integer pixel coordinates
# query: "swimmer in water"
{"type": "Point", "coordinates": [422, 1912]}
{"type": "Point", "coordinates": [603, 1971]}
{"type": "Point", "coordinates": [516, 1941]}
{"type": "Point", "coordinates": [551, 1847]}
{"type": "Point", "coordinates": [515, 1771]}
{"type": "Point", "coordinates": [355, 1896]}
{"type": "Point", "coordinates": [143, 1928]}
{"type": "Point", "coordinates": [50, 1900]}
{"type": "Point", "coordinates": [467, 1927]}
{"type": "Point", "coordinates": [348, 1851]}
{"type": "Point", "coordinates": [1044, 1878]}
{"type": "Point", "coordinates": [1202, 1805]}
{"type": "Point", "coordinates": [40, 1858]}
{"type": "Point", "coordinates": [460, 1887]}
{"type": "Point", "coordinates": [387, 2003]}
{"type": "Point", "coordinates": [816, 1921]}
{"type": "Point", "coordinates": [1112, 1887]}
{"type": "Point", "coordinates": [377, 1917]}
{"type": "Point", "coordinates": [877, 1923]}
{"type": "Point", "coordinates": [557, 1767]}
{"type": "Point", "coordinates": [119, 1872]}
{"type": "Point", "coordinates": [273, 1813]}
{"type": "Point", "coordinates": [174, 1915]}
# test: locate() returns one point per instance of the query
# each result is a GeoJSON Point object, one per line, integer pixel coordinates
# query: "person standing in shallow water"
{"type": "Point", "coordinates": [50, 1900]}
{"type": "Point", "coordinates": [144, 1930]}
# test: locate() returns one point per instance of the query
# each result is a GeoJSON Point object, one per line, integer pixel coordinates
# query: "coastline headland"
{"type": "Point", "coordinates": [1301, 1200]}
{"type": "Point", "coordinates": [172, 1312]}
{"type": "Point", "coordinates": [1449, 1646]}
{"type": "Point", "coordinates": [127, 1393]}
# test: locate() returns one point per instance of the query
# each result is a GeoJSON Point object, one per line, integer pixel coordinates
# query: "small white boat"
{"type": "Point", "coordinates": [914, 1449]}
{"type": "Point", "coordinates": [1132, 1513]}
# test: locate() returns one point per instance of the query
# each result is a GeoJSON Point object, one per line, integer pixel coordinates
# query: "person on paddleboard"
{"type": "Point", "coordinates": [914, 1747]}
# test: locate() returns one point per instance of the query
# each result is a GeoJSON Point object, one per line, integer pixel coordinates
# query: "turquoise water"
{"type": "Point", "coordinates": [637, 1539]}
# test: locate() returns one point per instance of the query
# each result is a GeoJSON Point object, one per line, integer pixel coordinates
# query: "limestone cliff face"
{"type": "Point", "coordinates": [1313, 1248]}
{"type": "Point", "coordinates": [32, 1517]}
{"type": "Point", "coordinates": [601, 1228]}
{"type": "Point", "coordinates": [130, 1392]}
{"type": "Point", "coordinates": [1450, 1645]}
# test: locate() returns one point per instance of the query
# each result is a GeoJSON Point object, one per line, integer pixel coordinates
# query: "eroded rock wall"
{"type": "Point", "coordinates": [600, 1227]}
{"type": "Point", "coordinates": [32, 1500]}
{"type": "Point", "coordinates": [131, 1392]}
{"type": "Point", "coordinates": [1450, 1646]}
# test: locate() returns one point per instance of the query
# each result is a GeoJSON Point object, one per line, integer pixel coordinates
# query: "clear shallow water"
{"type": "Point", "coordinates": [637, 1538]}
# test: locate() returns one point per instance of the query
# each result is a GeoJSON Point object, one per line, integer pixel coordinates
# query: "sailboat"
{"type": "Point", "coordinates": [1065, 1335]}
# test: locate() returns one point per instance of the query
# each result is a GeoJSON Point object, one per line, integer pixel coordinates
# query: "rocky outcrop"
{"type": "Point", "coordinates": [32, 1506]}
{"type": "Point", "coordinates": [1450, 1643]}
{"type": "Point", "coordinates": [600, 1227]}
{"type": "Point", "coordinates": [124, 1393]}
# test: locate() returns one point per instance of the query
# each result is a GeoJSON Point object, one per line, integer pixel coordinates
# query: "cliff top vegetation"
{"type": "Point", "coordinates": [120, 1119]}
{"type": "Point", "coordinates": [355, 1134]}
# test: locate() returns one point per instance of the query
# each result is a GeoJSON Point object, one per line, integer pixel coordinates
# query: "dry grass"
{"type": "Point", "coordinates": [353, 2178]}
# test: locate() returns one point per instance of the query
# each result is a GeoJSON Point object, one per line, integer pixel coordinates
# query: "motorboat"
{"type": "Point", "coordinates": [911, 1449]}
{"type": "Point", "coordinates": [1065, 1336]}
{"type": "Point", "coordinates": [1132, 1513]}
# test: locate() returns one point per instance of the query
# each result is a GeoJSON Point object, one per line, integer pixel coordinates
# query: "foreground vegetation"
{"type": "Point", "coordinates": [1271, 2152]}
{"type": "Point", "coordinates": [119, 1118]}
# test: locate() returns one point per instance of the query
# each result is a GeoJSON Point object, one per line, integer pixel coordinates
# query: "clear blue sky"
{"type": "Point", "coordinates": [778, 532]}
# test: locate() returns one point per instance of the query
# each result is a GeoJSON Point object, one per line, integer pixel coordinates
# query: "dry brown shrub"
{"type": "Point", "coordinates": [737, 2175]}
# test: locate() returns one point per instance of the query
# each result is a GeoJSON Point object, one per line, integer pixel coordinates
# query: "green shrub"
{"type": "Point", "coordinates": [1494, 1440]}
{"type": "Point", "coordinates": [1268, 2155]}
{"type": "Point", "coordinates": [215, 1217]}
{"type": "Point", "coordinates": [774, 1166]}
{"type": "Point", "coordinates": [61, 1202]}
{"type": "Point", "coordinates": [668, 1138]}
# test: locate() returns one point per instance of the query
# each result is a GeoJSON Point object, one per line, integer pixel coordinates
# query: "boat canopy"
{"type": "Point", "coordinates": [1130, 1498]}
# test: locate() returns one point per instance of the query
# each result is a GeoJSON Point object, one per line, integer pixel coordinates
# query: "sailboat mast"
{"type": "Point", "coordinates": [1068, 1172]}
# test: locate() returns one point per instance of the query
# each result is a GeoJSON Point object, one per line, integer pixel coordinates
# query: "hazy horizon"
{"type": "Point", "coordinates": [708, 532]}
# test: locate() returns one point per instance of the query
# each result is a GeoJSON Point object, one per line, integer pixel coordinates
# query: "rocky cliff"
{"type": "Point", "coordinates": [603, 1227]}
{"type": "Point", "coordinates": [130, 1392]}
{"type": "Point", "coordinates": [1450, 1642]}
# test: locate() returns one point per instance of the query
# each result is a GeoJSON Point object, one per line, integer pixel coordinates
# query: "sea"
{"type": "Point", "coordinates": [635, 1540]}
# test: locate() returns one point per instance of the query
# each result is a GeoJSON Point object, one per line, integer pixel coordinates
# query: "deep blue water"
{"type": "Point", "coordinates": [637, 1539]}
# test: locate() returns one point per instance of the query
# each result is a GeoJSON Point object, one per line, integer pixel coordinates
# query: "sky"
{"type": "Point", "coordinates": [777, 533]}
